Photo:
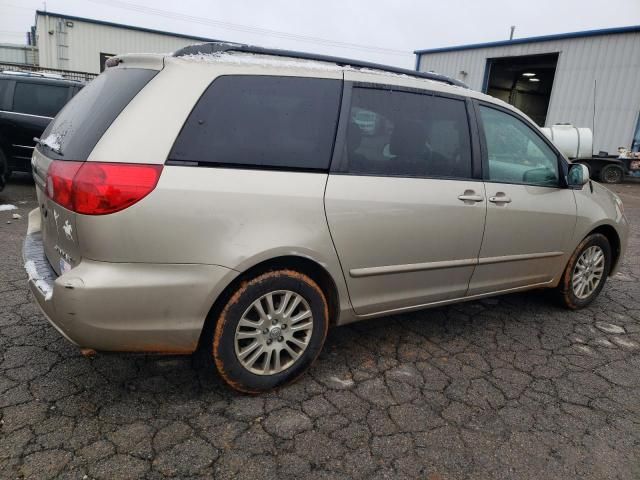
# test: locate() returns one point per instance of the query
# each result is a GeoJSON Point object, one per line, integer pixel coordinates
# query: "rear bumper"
{"type": "Point", "coordinates": [124, 306]}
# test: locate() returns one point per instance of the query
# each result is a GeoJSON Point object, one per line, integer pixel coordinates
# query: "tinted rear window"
{"type": "Point", "coordinates": [83, 121]}
{"type": "Point", "coordinates": [262, 121]}
{"type": "Point", "coordinates": [39, 99]}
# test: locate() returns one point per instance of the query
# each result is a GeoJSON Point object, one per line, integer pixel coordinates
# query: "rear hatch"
{"type": "Point", "coordinates": [66, 144]}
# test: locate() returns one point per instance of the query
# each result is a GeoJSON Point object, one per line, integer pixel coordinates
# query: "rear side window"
{"type": "Point", "coordinates": [39, 99]}
{"type": "Point", "coordinates": [392, 133]}
{"type": "Point", "coordinates": [262, 121]}
{"type": "Point", "coordinates": [83, 121]}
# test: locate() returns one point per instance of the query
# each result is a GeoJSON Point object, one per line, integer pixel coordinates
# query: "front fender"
{"type": "Point", "coordinates": [596, 207]}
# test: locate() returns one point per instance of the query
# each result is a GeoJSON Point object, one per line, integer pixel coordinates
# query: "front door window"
{"type": "Point", "coordinates": [516, 154]}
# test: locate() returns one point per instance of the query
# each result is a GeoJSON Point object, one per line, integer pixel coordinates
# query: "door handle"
{"type": "Point", "coordinates": [500, 198]}
{"type": "Point", "coordinates": [470, 196]}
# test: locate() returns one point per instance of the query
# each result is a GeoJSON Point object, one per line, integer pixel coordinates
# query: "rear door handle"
{"type": "Point", "coordinates": [500, 198]}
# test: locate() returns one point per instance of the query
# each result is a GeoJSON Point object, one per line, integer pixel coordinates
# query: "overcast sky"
{"type": "Point", "coordinates": [376, 30]}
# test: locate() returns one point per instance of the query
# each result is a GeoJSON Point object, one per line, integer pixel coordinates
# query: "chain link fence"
{"type": "Point", "coordinates": [68, 74]}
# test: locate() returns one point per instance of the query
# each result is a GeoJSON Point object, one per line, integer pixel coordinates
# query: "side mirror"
{"type": "Point", "coordinates": [578, 175]}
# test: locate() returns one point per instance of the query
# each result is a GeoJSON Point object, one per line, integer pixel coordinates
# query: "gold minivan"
{"type": "Point", "coordinates": [239, 201]}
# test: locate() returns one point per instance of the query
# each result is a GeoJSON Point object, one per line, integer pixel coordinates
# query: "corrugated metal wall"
{"type": "Point", "coordinates": [78, 47]}
{"type": "Point", "coordinates": [610, 63]}
{"type": "Point", "coordinates": [11, 53]}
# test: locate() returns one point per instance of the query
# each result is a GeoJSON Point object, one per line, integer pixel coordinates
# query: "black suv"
{"type": "Point", "coordinates": [28, 102]}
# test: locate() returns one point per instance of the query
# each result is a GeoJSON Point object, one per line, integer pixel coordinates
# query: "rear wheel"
{"type": "Point", "coordinates": [611, 174]}
{"type": "Point", "coordinates": [270, 331]}
{"type": "Point", "coordinates": [586, 272]}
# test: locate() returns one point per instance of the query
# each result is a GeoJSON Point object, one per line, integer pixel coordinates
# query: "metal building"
{"type": "Point", "coordinates": [19, 54]}
{"type": "Point", "coordinates": [66, 42]}
{"type": "Point", "coordinates": [590, 79]}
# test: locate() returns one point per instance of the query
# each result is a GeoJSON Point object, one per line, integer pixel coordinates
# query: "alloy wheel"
{"type": "Point", "coordinates": [273, 332]}
{"type": "Point", "coordinates": [588, 272]}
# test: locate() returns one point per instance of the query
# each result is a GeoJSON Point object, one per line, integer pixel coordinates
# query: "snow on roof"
{"type": "Point", "coordinates": [262, 61]}
{"type": "Point", "coordinates": [265, 60]}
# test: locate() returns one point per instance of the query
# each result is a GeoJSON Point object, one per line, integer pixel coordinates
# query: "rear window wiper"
{"type": "Point", "coordinates": [51, 143]}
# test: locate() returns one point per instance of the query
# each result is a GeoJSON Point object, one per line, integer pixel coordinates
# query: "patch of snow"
{"type": "Point", "coordinates": [265, 60]}
{"type": "Point", "coordinates": [155, 54]}
{"type": "Point", "coordinates": [17, 216]}
{"type": "Point", "coordinates": [34, 276]}
{"type": "Point", "coordinates": [375, 71]}
{"type": "Point", "coordinates": [338, 382]}
{"type": "Point", "coordinates": [609, 327]}
{"type": "Point", "coordinates": [7, 207]}
{"type": "Point", "coordinates": [261, 61]}
{"type": "Point", "coordinates": [585, 349]}
{"type": "Point", "coordinates": [30, 267]}
{"type": "Point", "coordinates": [603, 342]}
{"type": "Point", "coordinates": [623, 342]}
{"type": "Point", "coordinates": [623, 278]}
{"type": "Point", "coordinates": [52, 141]}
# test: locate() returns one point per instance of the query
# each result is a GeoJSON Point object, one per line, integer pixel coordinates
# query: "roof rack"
{"type": "Point", "coordinates": [223, 47]}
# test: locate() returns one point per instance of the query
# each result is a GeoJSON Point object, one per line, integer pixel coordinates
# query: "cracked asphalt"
{"type": "Point", "coordinates": [510, 387]}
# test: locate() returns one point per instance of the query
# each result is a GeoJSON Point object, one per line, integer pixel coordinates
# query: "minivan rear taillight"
{"type": "Point", "coordinates": [98, 188]}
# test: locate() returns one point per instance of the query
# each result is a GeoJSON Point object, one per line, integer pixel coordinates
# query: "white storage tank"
{"type": "Point", "coordinates": [573, 142]}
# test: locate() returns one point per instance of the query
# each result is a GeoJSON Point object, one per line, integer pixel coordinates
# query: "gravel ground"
{"type": "Point", "coordinates": [511, 387]}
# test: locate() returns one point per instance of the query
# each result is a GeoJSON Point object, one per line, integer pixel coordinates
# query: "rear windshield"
{"type": "Point", "coordinates": [75, 131]}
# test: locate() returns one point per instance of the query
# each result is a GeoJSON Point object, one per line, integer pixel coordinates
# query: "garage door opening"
{"type": "Point", "coordinates": [525, 82]}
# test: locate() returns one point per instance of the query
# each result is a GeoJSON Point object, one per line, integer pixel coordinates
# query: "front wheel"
{"type": "Point", "coordinates": [270, 331]}
{"type": "Point", "coordinates": [586, 272]}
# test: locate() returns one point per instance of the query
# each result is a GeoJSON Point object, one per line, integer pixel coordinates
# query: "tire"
{"type": "Point", "coordinates": [242, 330]}
{"type": "Point", "coordinates": [611, 174]}
{"type": "Point", "coordinates": [569, 290]}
